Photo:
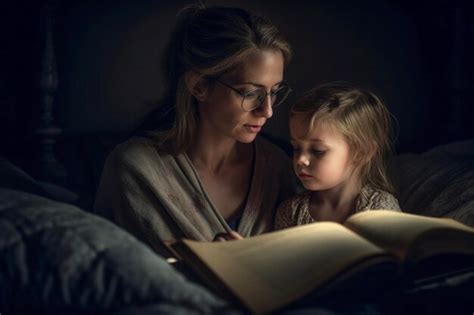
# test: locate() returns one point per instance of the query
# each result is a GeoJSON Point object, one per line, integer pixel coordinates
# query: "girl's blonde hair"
{"type": "Point", "coordinates": [210, 41]}
{"type": "Point", "coordinates": [362, 119]}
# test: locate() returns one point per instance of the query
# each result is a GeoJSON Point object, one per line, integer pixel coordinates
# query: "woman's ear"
{"type": "Point", "coordinates": [196, 85]}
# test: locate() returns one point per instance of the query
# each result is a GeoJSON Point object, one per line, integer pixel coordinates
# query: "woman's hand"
{"type": "Point", "coordinates": [227, 236]}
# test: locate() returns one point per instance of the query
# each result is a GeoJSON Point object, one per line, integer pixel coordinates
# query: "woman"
{"type": "Point", "coordinates": [209, 176]}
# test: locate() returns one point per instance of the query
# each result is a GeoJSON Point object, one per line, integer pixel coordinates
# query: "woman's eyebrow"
{"type": "Point", "coordinates": [257, 84]}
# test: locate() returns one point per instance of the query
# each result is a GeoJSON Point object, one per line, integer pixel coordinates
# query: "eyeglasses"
{"type": "Point", "coordinates": [254, 99]}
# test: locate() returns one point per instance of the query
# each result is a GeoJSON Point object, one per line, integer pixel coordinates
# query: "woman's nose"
{"type": "Point", "coordinates": [266, 109]}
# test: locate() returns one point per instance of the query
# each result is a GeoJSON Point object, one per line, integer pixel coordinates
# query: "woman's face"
{"type": "Point", "coordinates": [221, 112]}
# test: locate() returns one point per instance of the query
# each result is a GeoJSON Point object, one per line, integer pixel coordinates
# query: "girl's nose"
{"type": "Point", "coordinates": [302, 159]}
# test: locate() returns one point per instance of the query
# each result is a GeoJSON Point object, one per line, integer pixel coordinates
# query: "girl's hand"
{"type": "Point", "coordinates": [227, 236]}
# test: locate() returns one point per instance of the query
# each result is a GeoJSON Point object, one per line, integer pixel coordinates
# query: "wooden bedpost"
{"type": "Point", "coordinates": [47, 166]}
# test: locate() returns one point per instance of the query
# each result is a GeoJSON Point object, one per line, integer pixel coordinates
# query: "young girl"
{"type": "Point", "coordinates": [341, 140]}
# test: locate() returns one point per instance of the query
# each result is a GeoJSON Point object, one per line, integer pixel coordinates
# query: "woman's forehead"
{"type": "Point", "coordinates": [259, 68]}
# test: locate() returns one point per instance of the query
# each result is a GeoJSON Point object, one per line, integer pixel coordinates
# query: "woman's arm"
{"type": "Point", "coordinates": [124, 197]}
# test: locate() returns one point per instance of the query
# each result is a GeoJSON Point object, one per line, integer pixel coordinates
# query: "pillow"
{"type": "Point", "coordinates": [439, 182]}
{"type": "Point", "coordinates": [14, 177]}
{"type": "Point", "coordinates": [55, 257]}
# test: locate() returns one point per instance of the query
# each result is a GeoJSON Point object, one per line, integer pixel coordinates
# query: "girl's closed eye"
{"type": "Point", "coordinates": [318, 152]}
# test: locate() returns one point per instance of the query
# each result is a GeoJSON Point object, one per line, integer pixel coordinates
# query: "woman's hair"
{"type": "Point", "coordinates": [210, 41]}
{"type": "Point", "coordinates": [362, 119]}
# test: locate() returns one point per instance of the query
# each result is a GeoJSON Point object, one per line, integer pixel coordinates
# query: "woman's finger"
{"type": "Point", "coordinates": [220, 237]}
{"type": "Point", "coordinates": [235, 236]}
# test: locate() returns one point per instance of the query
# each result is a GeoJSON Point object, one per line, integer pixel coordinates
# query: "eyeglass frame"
{"type": "Point", "coordinates": [244, 94]}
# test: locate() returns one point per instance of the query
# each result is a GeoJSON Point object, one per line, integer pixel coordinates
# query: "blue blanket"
{"type": "Point", "coordinates": [56, 257]}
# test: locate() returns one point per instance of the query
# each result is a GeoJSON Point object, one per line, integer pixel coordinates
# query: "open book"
{"type": "Point", "coordinates": [269, 271]}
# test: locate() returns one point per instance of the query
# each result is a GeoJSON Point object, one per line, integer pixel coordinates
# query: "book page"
{"type": "Point", "coordinates": [408, 235]}
{"type": "Point", "coordinates": [268, 271]}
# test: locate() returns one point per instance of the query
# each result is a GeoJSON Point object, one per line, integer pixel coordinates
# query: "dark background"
{"type": "Point", "coordinates": [417, 56]}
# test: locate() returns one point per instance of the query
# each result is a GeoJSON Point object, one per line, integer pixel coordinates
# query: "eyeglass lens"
{"type": "Point", "coordinates": [254, 99]}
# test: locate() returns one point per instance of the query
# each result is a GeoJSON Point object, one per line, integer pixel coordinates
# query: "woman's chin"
{"type": "Point", "coordinates": [247, 138]}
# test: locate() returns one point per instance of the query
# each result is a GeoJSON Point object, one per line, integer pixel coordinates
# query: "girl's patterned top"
{"type": "Point", "coordinates": [295, 211]}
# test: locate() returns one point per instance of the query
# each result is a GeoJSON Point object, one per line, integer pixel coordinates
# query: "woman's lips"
{"type": "Point", "coordinates": [304, 176]}
{"type": "Point", "coordinates": [253, 128]}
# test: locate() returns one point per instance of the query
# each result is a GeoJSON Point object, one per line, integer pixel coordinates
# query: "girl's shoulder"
{"type": "Point", "coordinates": [372, 198]}
{"type": "Point", "coordinates": [293, 211]}
{"type": "Point", "coordinates": [296, 203]}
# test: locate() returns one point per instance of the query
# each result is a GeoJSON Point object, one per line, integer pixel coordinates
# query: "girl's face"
{"type": "Point", "coordinates": [221, 111]}
{"type": "Point", "coordinates": [321, 157]}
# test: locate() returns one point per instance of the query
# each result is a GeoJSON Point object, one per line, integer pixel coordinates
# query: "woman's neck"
{"type": "Point", "coordinates": [213, 152]}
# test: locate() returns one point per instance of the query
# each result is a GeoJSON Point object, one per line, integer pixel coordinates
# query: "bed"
{"type": "Point", "coordinates": [57, 257]}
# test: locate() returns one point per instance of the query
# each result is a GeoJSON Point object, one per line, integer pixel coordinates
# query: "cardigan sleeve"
{"type": "Point", "coordinates": [123, 197]}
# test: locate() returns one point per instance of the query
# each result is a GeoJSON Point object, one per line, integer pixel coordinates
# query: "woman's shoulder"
{"type": "Point", "coordinates": [374, 198]}
{"type": "Point", "coordinates": [136, 150]}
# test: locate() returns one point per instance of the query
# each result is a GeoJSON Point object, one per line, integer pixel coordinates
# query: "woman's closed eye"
{"type": "Point", "coordinates": [254, 94]}
{"type": "Point", "coordinates": [277, 90]}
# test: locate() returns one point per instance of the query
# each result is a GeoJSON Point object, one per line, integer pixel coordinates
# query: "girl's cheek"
{"type": "Point", "coordinates": [314, 167]}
